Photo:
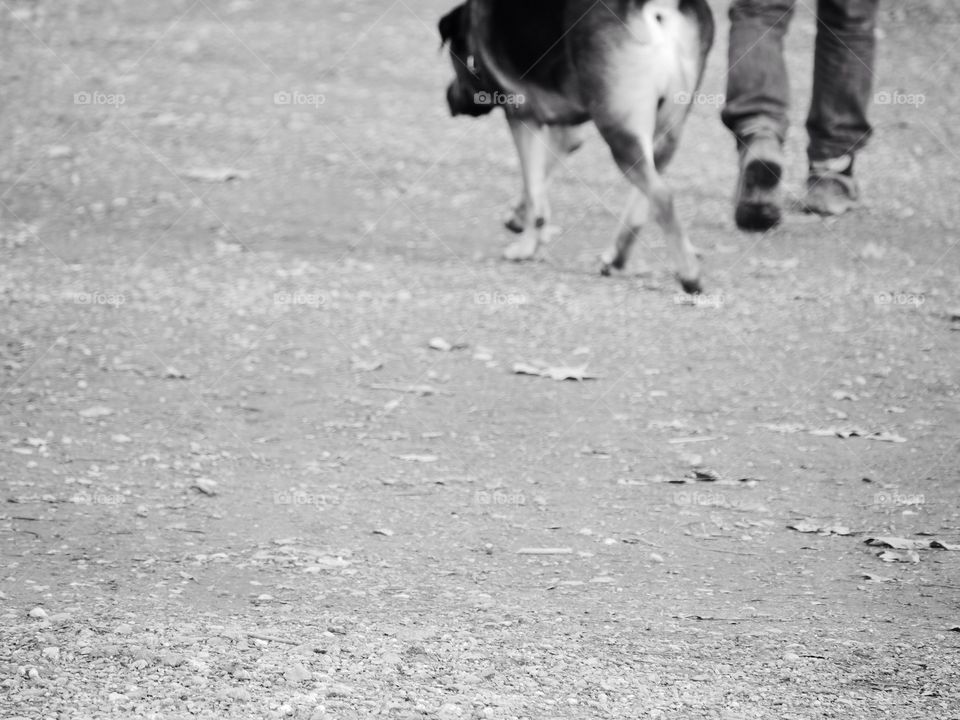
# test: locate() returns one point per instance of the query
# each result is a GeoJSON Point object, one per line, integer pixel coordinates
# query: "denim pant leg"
{"type": "Point", "coordinates": [843, 77]}
{"type": "Point", "coordinates": [758, 89]}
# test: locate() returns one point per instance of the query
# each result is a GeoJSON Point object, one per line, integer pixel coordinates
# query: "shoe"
{"type": "Point", "coordinates": [758, 203]}
{"type": "Point", "coordinates": [831, 188]}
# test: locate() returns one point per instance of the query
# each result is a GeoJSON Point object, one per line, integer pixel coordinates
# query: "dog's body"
{"type": "Point", "coordinates": [630, 66]}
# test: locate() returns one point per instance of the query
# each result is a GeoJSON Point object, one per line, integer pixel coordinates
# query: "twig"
{"type": "Point", "coordinates": [271, 638]}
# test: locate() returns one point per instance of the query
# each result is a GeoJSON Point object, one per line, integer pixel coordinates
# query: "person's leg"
{"type": "Point", "coordinates": [758, 98]}
{"type": "Point", "coordinates": [758, 89]}
{"type": "Point", "coordinates": [842, 91]}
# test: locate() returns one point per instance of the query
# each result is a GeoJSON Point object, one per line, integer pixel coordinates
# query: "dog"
{"type": "Point", "coordinates": [629, 66]}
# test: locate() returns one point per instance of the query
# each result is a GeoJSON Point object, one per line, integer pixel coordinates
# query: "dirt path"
{"type": "Point", "coordinates": [240, 482]}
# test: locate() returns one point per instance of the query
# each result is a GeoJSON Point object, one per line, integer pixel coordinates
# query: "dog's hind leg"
{"type": "Point", "coordinates": [562, 141]}
{"type": "Point", "coordinates": [533, 145]}
{"type": "Point", "coordinates": [634, 216]}
{"type": "Point", "coordinates": [634, 152]}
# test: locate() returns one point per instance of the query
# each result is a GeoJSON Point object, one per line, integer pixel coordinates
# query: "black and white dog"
{"type": "Point", "coordinates": [630, 66]}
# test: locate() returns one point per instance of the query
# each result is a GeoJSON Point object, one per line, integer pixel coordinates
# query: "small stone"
{"type": "Point", "coordinates": [449, 711]}
{"type": "Point", "coordinates": [172, 660]}
{"type": "Point", "coordinates": [297, 673]}
{"type": "Point", "coordinates": [51, 653]}
{"type": "Point", "coordinates": [59, 152]}
{"type": "Point", "coordinates": [339, 690]}
{"type": "Point", "coordinates": [123, 629]}
{"type": "Point", "coordinates": [38, 613]}
{"type": "Point", "coordinates": [791, 658]}
{"type": "Point", "coordinates": [95, 412]}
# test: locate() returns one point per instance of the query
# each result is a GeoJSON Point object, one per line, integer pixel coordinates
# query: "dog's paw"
{"type": "Point", "coordinates": [524, 248]}
{"type": "Point", "coordinates": [611, 260]}
{"type": "Point", "coordinates": [691, 286]}
{"type": "Point", "coordinates": [515, 221]}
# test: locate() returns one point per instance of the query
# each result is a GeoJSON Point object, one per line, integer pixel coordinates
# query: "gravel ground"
{"type": "Point", "coordinates": [266, 453]}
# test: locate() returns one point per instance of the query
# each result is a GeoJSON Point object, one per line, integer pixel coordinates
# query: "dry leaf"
{"type": "Point", "coordinates": [205, 486]}
{"type": "Point", "coordinates": [412, 457]}
{"type": "Point", "coordinates": [359, 365]}
{"type": "Point", "coordinates": [902, 556]}
{"type": "Point", "coordinates": [897, 543]}
{"type": "Point", "coordinates": [215, 175]}
{"type": "Point", "coordinates": [554, 373]}
{"type": "Point", "coordinates": [808, 526]}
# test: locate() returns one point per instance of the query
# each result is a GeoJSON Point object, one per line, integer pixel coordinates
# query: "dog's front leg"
{"type": "Point", "coordinates": [563, 141]}
{"type": "Point", "coordinates": [533, 145]}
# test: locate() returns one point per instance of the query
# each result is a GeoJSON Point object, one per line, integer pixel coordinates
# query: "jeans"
{"type": "Point", "coordinates": [758, 89]}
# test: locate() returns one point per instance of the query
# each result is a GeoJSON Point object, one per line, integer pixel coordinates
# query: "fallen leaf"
{"type": "Point", "coordinates": [554, 373]}
{"type": "Point", "coordinates": [324, 564]}
{"type": "Point", "coordinates": [205, 486]}
{"type": "Point", "coordinates": [215, 175]}
{"type": "Point", "coordinates": [870, 577]}
{"type": "Point", "coordinates": [785, 428]}
{"type": "Point", "coordinates": [359, 365]}
{"type": "Point", "coordinates": [808, 526]}
{"type": "Point", "coordinates": [902, 556]}
{"type": "Point", "coordinates": [897, 543]}
{"type": "Point", "coordinates": [424, 390]}
{"type": "Point", "coordinates": [843, 395]}
{"type": "Point", "coordinates": [413, 457]}
{"type": "Point", "coordinates": [887, 437]}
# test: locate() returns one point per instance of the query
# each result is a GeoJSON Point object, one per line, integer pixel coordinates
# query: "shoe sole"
{"type": "Point", "coordinates": [764, 214]}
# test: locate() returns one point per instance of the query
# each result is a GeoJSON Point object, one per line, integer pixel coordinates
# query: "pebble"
{"type": "Point", "coordinates": [51, 653]}
{"type": "Point", "coordinates": [123, 629]}
{"type": "Point", "coordinates": [339, 690]}
{"type": "Point", "coordinates": [449, 711]}
{"type": "Point", "coordinates": [172, 660]}
{"type": "Point", "coordinates": [38, 613]}
{"type": "Point", "coordinates": [297, 673]}
{"type": "Point", "coordinates": [239, 694]}
{"type": "Point", "coordinates": [791, 658]}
